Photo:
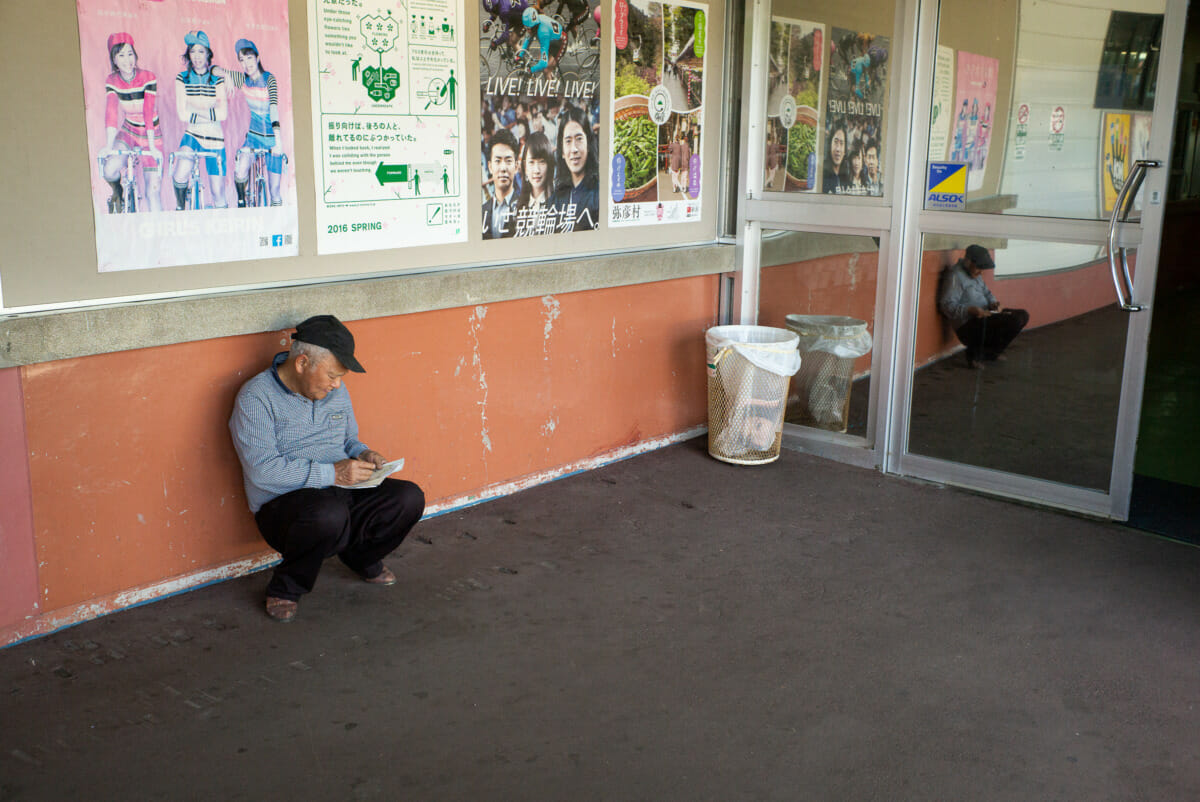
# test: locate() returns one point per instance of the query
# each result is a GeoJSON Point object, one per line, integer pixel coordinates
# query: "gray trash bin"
{"type": "Point", "coordinates": [829, 344]}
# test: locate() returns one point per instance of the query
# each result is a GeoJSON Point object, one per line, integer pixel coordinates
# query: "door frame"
{"type": "Point", "coordinates": [825, 214]}
{"type": "Point", "coordinates": [1145, 236]}
{"type": "Point", "coordinates": [899, 220]}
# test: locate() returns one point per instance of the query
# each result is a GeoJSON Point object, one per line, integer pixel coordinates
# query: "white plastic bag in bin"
{"type": "Point", "coordinates": [765, 347]}
{"type": "Point", "coordinates": [846, 337]}
{"type": "Point", "coordinates": [829, 344]}
{"type": "Point", "coordinates": [751, 367]}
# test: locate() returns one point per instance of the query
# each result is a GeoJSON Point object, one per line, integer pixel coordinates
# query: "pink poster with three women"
{"type": "Point", "coordinates": [975, 101]}
{"type": "Point", "coordinates": [188, 108]}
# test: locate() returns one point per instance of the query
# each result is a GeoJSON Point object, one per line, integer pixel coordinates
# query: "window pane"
{"type": "Point", "coordinates": [822, 286]}
{"type": "Point", "coordinates": [828, 84]}
{"type": "Point", "coordinates": [1032, 389]}
{"type": "Point", "coordinates": [1048, 111]}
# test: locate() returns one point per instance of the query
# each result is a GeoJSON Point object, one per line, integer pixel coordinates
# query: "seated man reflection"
{"type": "Point", "coordinates": [979, 322]}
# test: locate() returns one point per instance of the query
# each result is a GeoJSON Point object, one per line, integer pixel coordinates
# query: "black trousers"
{"type": "Point", "coordinates": [987, 337]}
{"type": "Point", "coordinates": [360, 526]}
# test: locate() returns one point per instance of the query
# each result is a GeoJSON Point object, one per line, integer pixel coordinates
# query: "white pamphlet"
{"type": "Point", "coordinates": [381, 473]}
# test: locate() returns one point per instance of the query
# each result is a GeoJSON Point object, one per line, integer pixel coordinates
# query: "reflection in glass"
{"type": "Point", "coordinates": [793, 105]}
{"type": "Point", "coordinates": [827, 84]}
{"type": "Point", "coordinates": [1043, 128]}
{"type": "Point", "coordinates": [823, 287]}
{"type": "Point", "coordinates": [1044, 405]}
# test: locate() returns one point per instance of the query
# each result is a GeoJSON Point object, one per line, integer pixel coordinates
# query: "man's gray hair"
{"type": "Point", "coordinates": [315, 353]}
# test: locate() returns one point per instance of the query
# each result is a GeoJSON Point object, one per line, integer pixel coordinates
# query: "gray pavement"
{"type": "Point", "coordinates": [665, 628]}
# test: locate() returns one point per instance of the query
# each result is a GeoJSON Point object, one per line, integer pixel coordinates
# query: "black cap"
{"type": "Point", "coordinates": [328, 332]}
{"type": "Point", "coordinates": [979, 255]}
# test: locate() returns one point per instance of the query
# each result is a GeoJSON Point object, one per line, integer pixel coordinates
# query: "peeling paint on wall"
{"type": "Point", "coordinates": [476, 321]}
{"type": "Point", "coordinates": [553, 310]}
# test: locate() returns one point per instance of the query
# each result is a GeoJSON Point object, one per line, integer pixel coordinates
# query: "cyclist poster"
{"type": "Point", "coordinates": [539, 77]}
{"type": "Point", "coordinates": [856, 97]}
{"type": "Point", "coordinates": [658, 109]}
{"type": "Point", "coordinates": [188, 113]}
{"type": "Point", "coordinates": [388, 123]}
{"type": "Point", "coordinates": [791, 153]}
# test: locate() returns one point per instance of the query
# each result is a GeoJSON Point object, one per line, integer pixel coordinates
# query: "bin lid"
{"type": "Point", "coordinates": [753, 335]}
{"type": "Point", "coordinates": [765, 347]}
{"type": "Point", "coordinates": [830, 325]}
{"type": "Point", "coordinates": [834, 334]}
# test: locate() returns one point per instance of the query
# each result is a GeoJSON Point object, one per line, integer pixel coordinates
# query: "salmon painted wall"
{"type": "Point", "coordinates": [831, 285]}
{"type": "Point", "coordinates": [18, 563]}
{"type": "Point", "coordinates": [134, 479]}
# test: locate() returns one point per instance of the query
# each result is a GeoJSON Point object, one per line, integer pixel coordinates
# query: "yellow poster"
{"type": "Point", "coordinates": [1114, 157]}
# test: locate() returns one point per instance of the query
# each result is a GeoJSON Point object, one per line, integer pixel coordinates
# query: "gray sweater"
{"type": "Point", "coordinates": [959, 291]}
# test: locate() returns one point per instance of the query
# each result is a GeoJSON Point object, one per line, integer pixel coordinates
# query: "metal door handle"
{"type": "Point", "coordinates": [1120, 213]}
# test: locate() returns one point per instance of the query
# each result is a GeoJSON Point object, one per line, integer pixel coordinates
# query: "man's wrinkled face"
{"type": "Point", "coordinates": [319, 379]}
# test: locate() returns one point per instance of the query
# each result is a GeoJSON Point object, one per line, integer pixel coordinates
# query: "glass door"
{"type": "Point", "coordinates": [1033, 215]}
{"type": "Point", "coordinates": [824, 140]}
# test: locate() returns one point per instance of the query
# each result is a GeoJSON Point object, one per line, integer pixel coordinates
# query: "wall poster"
{"type": "Point", "coordinates": [943, 97]}
{"type": "Point", "coordinates": [1124, 139]}
{"type": "Point", "coordinates": [858, 81]}
{"type": "Point", "coordinates": [792, 152]}
{"type": "Point", "coordinates": [974, 102]}
{"type": "Point", "coordinates": [658, 111]}
{"type": "Point", "coordinates": [1139, 140]}
{"type": "Point", "coordinates": [388, 123]}
{"type": "Point", "coordinates": [539, 80]}
{"type": "Point", "coordinates": [1114, 157]}
{"type": "Point", "coordinates": [188, 109]}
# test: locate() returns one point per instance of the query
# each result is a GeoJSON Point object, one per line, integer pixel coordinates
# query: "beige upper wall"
{"type": "Point", "coordinates": [46, 218]}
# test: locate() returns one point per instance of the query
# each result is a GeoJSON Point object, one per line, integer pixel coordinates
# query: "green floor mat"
{"type": "Point", "coordinates": [1169, 435]}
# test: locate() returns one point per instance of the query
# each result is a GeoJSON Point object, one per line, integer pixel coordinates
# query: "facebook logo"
{"type": "Point", "coordinates": [276, 240]}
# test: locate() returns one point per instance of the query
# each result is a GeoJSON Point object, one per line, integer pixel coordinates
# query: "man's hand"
{"type": "Point", "coordinates": [373, 457]}
{"type": "Point", "coordinates": [994, 306]}
{"type": "Point", "coordinates": [352, 471]}
{"type": "Point", "coordinates": [977, 311]}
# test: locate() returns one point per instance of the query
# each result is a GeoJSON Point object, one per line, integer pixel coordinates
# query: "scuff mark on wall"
{"type": "Point", "coordinates": [553, 310]}
{"type": "Point", "coordinates": [614, 337]}
{"type": "Point", "coordinates": [549, 426]}
{"type": "Point", "coordinates": [476, 320]}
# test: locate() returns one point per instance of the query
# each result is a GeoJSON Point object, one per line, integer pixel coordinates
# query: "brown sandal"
{"type": "Point", "coordinates": [281, 610]}
{"type": "Point", "coordinates": [384, 577]}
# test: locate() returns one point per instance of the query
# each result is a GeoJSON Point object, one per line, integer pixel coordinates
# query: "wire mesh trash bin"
{"type": "Point", "coordinates": [829, 344]}
{"type": "Point", "coordinates": [749, 368]}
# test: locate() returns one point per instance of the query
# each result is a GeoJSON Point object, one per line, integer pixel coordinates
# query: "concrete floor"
{"type": "Point", "coordinates": [666, 628]}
